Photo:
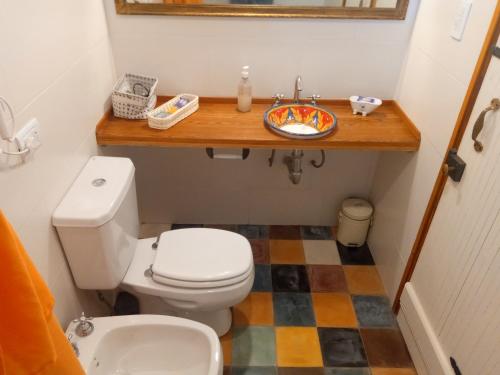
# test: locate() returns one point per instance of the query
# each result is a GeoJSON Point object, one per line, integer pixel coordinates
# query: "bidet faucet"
{"type": "Point", "coordinates": [84, 326]}
{"type": "Point", "coordinates": [298, 89]}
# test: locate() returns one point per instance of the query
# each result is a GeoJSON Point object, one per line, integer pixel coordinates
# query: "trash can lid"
{"type": "Point", "coordinates": [357, 209]}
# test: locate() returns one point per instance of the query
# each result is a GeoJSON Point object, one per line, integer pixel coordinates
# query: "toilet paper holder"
{"type": "Point", "coordinates": [227, 156]}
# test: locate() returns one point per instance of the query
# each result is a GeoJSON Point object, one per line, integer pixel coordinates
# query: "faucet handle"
{"type": "Point", "coordinates": [278, 97]}
{"type": "Point", "coordinates": [84, 318]}
{"type": "Point", "coordinates": [84, 326]}
{"type": "Point", "coordinates": [314, 98]}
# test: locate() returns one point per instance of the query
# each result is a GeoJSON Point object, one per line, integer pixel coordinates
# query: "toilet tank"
{"type": "Point", "coordinates": [98, 224]}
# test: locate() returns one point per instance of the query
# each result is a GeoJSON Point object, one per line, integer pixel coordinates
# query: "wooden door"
{"type": "Point", "coordinates": [451, 306]}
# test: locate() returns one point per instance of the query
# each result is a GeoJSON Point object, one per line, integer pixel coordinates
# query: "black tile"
{"type": "Point", "coordinates": [254, 231]}
{"type": "Point", "coordinates": [228, 227]}
{"type": "Point", "coordinates": [293, 309]}
{"type": "Point", "coordinates": [316, 233]}
{"type": "Point", "coordinates": [289, 278]}
{"type": "Point", "coordinates": [355, 255]}
{"type": "Point", "coordinates": [262, 281]}
{"type": "Point", "coordinates": [184, 226]}
{"type": "Point", "coordinates": [342, 347]}
{"type": "Point", "coordinates": [373, 311]}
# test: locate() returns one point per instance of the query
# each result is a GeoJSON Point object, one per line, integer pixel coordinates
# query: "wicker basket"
{"type": "Point", "coordinates": [134, 96]}
{"type": "Point", "coordinates": [168, 114]}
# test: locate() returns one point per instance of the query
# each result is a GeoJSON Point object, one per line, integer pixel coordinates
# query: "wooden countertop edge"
{"type": "Point", "coordinates": [284, 144]}
{"type": "Point", "coordinates": [411, 125]}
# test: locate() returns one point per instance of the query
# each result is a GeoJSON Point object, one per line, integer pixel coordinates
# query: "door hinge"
{"type": "Point", "coordinates": [454, 366]}
{"type": "Point", "coordinates": [455, 166]}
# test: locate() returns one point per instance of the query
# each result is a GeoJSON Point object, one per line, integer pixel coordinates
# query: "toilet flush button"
{"type": "Point", "coordinates": [98, 182]}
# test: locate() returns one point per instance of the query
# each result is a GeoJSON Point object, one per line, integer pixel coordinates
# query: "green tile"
{"type": "Point", "coordinates": [254, 346]}
{"type": "Point", "coordinates": [253, 371]}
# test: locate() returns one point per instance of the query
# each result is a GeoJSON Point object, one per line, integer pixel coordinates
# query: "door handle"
{"type": "Point", "coordinates": [478, 126]}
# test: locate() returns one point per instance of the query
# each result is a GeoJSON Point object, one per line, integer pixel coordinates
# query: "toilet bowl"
{"type": "Point", "coordinates": [199, 272]}
{"type": "Point", "coordinates": [214, 287]}
{"type": "Point", "coordinates": [147, 344]}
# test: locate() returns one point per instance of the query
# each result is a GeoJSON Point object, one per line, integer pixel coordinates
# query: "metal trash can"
{"type": "Point", "coordinates": [355, 218]}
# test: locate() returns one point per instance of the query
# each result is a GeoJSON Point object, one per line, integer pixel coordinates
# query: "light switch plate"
{"type": "Point", "coordinates": [461, 18]}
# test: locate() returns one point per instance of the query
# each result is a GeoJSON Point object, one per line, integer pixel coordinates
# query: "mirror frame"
{"type": "Point", "coordinates": [397, 13]}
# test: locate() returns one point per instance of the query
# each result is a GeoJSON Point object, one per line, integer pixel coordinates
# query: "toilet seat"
{"type": "Point", "coordinates": [202, 258]}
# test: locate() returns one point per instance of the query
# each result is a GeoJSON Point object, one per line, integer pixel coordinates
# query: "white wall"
{"type": "Point", "coordinates": [204, 56]}
{"type": "Point", "coordinates": [55, 65]}
{"type": "Point", "coordinates": [432, 87]}
{"type": "Point", "coordinates": [185, 186]}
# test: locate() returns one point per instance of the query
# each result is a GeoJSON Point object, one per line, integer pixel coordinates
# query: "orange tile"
{"type": "Point", "coordinates": [286, 251]}
{"type": "Point", "coordinates": [334, 310]}
{"type": "Point", "coordinates": [298, 347]}
{"type": "Point", "coordinates": [393, 371]}
{"type": "Point", "coordinates": [226, 342]}
{"type": "Point", "coordinates": [256, 309]}
{"type": "Point", "coordinates": [363, 280]}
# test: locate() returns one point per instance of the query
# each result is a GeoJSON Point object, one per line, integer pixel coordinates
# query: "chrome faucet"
{"type": "Point", "coordinates": [298, 89]}
{"type": "Point", "coordinates": [83, 326]}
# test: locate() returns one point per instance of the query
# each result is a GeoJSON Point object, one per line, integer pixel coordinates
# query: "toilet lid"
{"type": "Point", "coordinates": [202, 255]}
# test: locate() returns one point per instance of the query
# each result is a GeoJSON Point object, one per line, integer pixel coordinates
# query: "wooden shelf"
{"type": "Point", "coordinates": [218, 124]}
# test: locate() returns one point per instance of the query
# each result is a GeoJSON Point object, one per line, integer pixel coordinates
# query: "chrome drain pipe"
{"type": "Point", "coordinates": [294, 164]}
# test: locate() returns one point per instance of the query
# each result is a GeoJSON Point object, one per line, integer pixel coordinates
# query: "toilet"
{"type": "Point", "coordinates": [199, 272]}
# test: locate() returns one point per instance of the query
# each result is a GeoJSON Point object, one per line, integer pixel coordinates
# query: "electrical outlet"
{"type": "Point", "coordinates": [28, 136]}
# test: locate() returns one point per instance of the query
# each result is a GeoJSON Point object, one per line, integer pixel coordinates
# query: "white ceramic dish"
{"type": "Point", "coordinates": [364, 104]}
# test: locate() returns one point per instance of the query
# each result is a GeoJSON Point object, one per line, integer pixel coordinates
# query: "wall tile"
{"type": "Point", "coordinates": [64, 80]}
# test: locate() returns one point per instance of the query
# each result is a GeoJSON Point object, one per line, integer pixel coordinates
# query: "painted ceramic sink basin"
{"type": "Point", "coordinates": [300, 121]}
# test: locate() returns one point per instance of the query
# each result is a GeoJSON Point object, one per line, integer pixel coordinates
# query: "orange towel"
{"type": "Point", "coordinates": [31, 340]}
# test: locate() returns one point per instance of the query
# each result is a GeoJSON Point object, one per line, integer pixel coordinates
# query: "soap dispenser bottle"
{"type": "Point", "coordinates": [244, 91]}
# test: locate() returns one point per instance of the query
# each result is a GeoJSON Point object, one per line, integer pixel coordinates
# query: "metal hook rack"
{"type": "Point", "coordinates": [321, 163]}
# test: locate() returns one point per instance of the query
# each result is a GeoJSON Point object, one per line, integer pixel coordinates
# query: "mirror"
{"type": "Point", "coordinates": [364, 9]}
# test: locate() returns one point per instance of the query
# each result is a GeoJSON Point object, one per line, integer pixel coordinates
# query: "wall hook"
{"type": "Point", "coordinates": [320, 164]}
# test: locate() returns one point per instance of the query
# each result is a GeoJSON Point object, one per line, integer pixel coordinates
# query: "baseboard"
{"type": "Point", "coordinates": [422, 342]}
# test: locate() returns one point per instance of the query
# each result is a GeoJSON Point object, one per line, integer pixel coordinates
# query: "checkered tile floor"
{"type": "Point", "coordinates": [316, 307]}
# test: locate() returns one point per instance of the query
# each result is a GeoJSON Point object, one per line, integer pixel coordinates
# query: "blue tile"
{"type": "Point", "coordinates": [254, 231]}
{"type": "Point", "coordinates": [254, 346]}
{"type": "Point", "coordinates": [253, 371]}
{"type": "Point", "coordinates": [342, 347]}
{"type": "Point", "coordinates": [373, 311]}
{"type": "Point", "coordinates": [347, 371]}
{"type": "Point", "coordinates": [353, 256]}
{"type": "Point", "coordinates": [262, 281]}
{"type": "Point", "coordinates": [293, 309]}
{"type": "Point", "coordinates": [289, 278]}
{"type": "Point", "coordinates": [316, 233]}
